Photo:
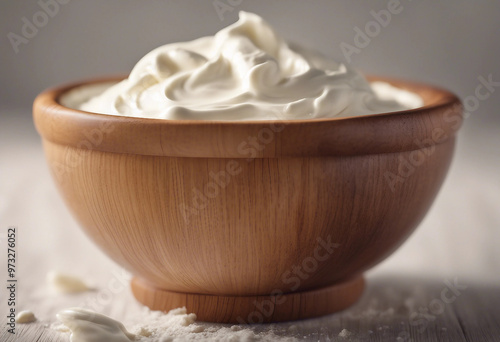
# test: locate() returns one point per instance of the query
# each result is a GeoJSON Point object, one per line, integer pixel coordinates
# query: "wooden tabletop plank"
{"type": "Point", "coordinates": [386, 312]}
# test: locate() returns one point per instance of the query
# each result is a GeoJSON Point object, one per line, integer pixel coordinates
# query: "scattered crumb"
{"type": "Point", "coordinates": [345, 333]}
{"type": "Point", "coordinates": [65, 283]}
{"type": "Point", "coordinates": [58, 326]}
{"type": "Point", "coordinates": [24, 317]}
{"type": "Point", "coordinates": [144, 332]}
{"type": "Point", "coordinates": [198, 329]}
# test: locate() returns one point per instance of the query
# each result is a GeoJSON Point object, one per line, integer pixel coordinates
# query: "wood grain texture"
{"type": "Point", "coordinates": [181, 207]}
{"type": "Point", "coordinates": [254, 309]}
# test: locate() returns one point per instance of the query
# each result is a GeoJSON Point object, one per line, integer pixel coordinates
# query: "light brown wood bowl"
{"type": "Point", "coordinates": [252, 247]}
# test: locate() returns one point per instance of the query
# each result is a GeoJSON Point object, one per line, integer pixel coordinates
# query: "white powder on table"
{"type": "Point", "coordinates": [345, 333]}
{"type": "Point", "coordinates": [175, 326]}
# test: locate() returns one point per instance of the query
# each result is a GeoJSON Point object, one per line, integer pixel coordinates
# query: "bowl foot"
{"type": "Point", "coordinates": [253, 309]}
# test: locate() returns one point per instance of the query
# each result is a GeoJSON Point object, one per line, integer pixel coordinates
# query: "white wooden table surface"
{"type": "Point", "coordinates": [458, 240]}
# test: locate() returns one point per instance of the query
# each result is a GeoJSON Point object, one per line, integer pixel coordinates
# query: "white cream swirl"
{"type": "Point", "coordinates": [245, 72]}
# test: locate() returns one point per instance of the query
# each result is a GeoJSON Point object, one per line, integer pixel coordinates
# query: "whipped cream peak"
{"type": "Point", "coordinates": [246, 71]}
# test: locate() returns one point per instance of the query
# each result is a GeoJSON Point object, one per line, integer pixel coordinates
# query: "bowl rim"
{"type": "Point", "coordinates": [62, 125]}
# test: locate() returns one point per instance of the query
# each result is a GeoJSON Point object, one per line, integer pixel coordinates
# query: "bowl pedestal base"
{"type": "Point", "coordinates": [253, 309]}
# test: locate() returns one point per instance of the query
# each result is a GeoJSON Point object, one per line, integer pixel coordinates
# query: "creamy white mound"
{"type": "Point", "coordinates": [246, 71]}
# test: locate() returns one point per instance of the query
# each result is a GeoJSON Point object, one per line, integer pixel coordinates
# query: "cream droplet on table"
{"type": "Point", "coordinates": [24, 317]}
{"type": "Point", "coordinates": [86, 325]}
{"type": "Point", "coordinates": [66, 283]}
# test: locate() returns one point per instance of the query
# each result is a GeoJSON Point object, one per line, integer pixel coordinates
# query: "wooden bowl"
{"type": "Point", "coordinates": [249, 222]}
